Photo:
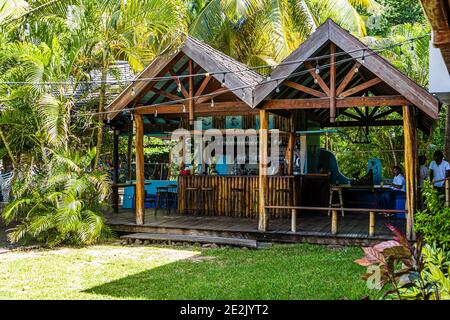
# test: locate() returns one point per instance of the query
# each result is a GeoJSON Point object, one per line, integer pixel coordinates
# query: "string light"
{"type": "Point", "coordinates": [133, 91]}
{"type": "Point", "coordinates": [212, 103]}
{"type": "Point", "coordinates": [184, 108]}
{"type": "Point", "coordinates": [223, 80]}
{"type": "Point", "coordinates": [243, 94]}
{"type": "Point", "coordinates": [179, 86]}
{"type": "Point", "coordinates": [156, 113]}
{"type": "Point", "coordinates": [317, 71]}
{"type": "Point", "coordinates": [269, 77]}
{"type": "Point", "coordinates": [356, 70]}
{"type": "Point", "coordinates": [363, 59]}
{"type": "Point", "coordinates": [277, 90]}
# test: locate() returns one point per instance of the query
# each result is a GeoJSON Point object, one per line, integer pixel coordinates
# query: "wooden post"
{"type": "Point", "coordinates": [409, 128]}
{"type": "Point", "coordinates": [191, 95]}
{"type": "Point", "coordinates": [130, 152]}
{"type": "Point", "coordinates": [140, 178]}
{"type": "Point", "coordinates": [447, 193]}
{"type": "Point", "coordinates": [116, 171]}
{"type": "Point", "coordinates": [372, 224]}
{"type": "Point", "coordinates": [263, 159]}
{"type": "Point", "coordinates": [291, 145]}
{"type": "Point", "coordinates": [332, 83]}
{"type": "Point", "coordinates": [334, 222]}
{"type": "Point", "coordinates": [294, 221]}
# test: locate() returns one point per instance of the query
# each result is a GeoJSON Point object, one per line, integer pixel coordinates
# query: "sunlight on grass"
{"type": "Point", "coordinates": [156, 272]}
{"type": "Point", "coordinates": [65, 273]}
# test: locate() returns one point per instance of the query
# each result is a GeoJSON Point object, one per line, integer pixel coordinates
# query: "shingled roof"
{"type": "Point", "coordinates": [212, 61]}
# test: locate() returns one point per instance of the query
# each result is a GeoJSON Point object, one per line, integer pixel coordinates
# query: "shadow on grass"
{"type": "Point", "coordinates": [282, 272]}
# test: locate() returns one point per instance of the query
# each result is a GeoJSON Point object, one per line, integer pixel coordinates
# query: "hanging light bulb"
{"type": "Point", "coordinates": [131, 117]}
{"type": "Point", "coordinates": [356, 70]}
{"type": "Point", "coordinates": [207, 74]}
{"type": "Point", "coordinates": [156, 113]}
{"type": "Point", "coordinates": [269, 77]}
{"type": "Point", "coordinates": [363, 59]}
{"type": "Point", "coordinates": [223, 80]}
{"type": "Point", "coordinates": [179, 87]}
{"type": "Point", "coordinates": [317, 71]}
{"type": "Point", "coordinates": [277, 90]}
{"type": "Point", "coordinates": [212, 103]}
{"type": "Point", "coordinates": [108, 120]}
{"type": "Point", "coordinates": [184, 108]}
{"type": "Point", "coordinates": [315, 80]}
{"type": "Point", "coordinates": [243, 94]}
{"type": "Point", "coordinates": [133, 91]}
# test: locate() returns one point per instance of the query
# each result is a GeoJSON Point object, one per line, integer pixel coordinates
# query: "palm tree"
{"type": "Point", "coordinates": [266, 31]}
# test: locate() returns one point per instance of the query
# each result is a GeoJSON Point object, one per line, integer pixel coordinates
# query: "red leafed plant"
{"type": "Point", "coordinates": [399, 264]}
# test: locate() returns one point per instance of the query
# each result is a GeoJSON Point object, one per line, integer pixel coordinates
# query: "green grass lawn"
{"type": "Point", "coordinates": [162, 272]}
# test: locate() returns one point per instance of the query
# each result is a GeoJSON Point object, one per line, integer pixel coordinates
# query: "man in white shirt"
{"type": "Point", "coordinates": [439, 170]}
{"type": "Point", "coordinates": [398, 187]}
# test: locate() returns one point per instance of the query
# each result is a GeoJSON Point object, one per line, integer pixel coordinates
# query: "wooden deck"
{"type": "Point", "coordinates": [312, 227]}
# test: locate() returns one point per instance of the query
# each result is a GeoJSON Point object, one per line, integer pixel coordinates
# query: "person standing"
{"type": "Point", "coordinates": [398, 187]}
{"type": "Point", "coordinates": [439, 170]}
{"type": "Point", "coordinates": [423, 170]}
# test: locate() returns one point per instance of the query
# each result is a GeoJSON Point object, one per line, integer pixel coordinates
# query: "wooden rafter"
{"type": "Point", "coordinates": [202, 86]}
{"type": "Point", "coordinates": [317, 77]}
{"type": "Point", "coordinates": [165, 94]}
{"type": "Point", "coordinates": [304, 89]}
{"type": "Point", "coordinates": [212, 95]}
{"type": "Point", "coordinates": [179, 83]}
{"type": "Point", "coordinates": [332, 94]}
{"type": "Point", "coordinates": [348, 77]}
{"type": "Point", "coordinates": [199, 108]}
{"type": "Point", "coordinates": [361, 87]}
{"type": "Point", "coordinates": [324, 103]}
{"type": "Point", "coordinates": [383, 114]}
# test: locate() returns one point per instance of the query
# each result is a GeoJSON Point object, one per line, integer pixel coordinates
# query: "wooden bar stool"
{"type": "Point", "coordinates": [191, 194]}
{"type": "Point", "coordinates": [162, 197]}
{"type": "Point", "coordinates": [172, 197]}
{"type": "Point", "coordinates": [338, 190]}
{"type": "Point", "coordinates": [236, 201]}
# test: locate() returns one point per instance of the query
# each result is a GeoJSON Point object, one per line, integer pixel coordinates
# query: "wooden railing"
{"type": "Point", "coordinates": [447, 189]}
{"type": "Point", "coordinates": [334, 216]}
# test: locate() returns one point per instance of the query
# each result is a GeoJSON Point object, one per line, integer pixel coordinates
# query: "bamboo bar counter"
{"type": "Point", "coordinates": [281, 191]}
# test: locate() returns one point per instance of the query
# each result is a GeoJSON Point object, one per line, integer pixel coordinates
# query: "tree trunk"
{"type": "Point", "coordinates": [101, 106]}
{"type": "Point", "coordinates": [8, 149]}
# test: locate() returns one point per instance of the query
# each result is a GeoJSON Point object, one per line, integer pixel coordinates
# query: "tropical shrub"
{"type": "Point", "coordinates": [411, 272]}
{"type": "Point", "coordinates": [60, 202]}
{"type": "Point", "coordinates": [433, 223]}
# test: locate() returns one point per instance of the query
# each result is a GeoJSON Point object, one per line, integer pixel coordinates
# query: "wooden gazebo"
{"type": "Point", "coordinates": [354, 87]}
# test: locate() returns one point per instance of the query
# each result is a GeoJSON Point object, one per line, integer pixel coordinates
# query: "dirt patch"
{"type": "Point", "coordinates": [5, 245]}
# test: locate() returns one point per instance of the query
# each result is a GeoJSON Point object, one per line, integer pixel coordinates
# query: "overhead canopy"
{"type": "Point", "coordinates": [438, 13]}
{"type": "Point", "coordinates": [217, 74]}
{"type": "Point", "coordinates": [371, 82]}
{"type": "Point", "coordinates": [333, 94]}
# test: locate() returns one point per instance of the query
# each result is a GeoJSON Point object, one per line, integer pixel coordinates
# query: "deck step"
{"type": "Point", "coordinates": [238, 242]}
